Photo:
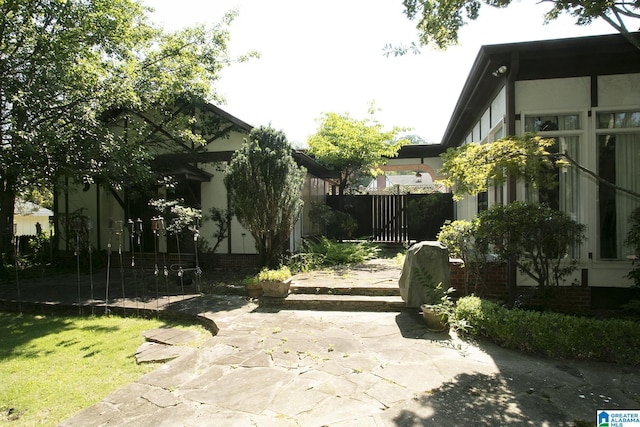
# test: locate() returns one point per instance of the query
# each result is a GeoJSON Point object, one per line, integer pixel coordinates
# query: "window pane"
{"type": "Point", "coordinates": [606, 120]}
{"type": "Point", "coordinates": [570, 122]}
{"type": "Point", "coordinates": [483, 201]}
{"type": "Point", "coordinates": [619, 164]}
{"type": "Point", "coordinates": [551, 123]}
{"type": "Point", "coordinates": [499, 134]}
{"type": "Point", "coordinates": [629, 119]}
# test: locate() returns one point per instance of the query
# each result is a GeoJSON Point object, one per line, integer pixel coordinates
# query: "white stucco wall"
{"type": "Point", "coordinates": [615, 91]}
{"type": "Point", "coordinates": [553, 95]}
{"type": "Point", "coordinates": [573, 96]}
{"type": "Point", "coordinates": [214, 195]}
{"type": "Point", "coordinates": [430, 165]}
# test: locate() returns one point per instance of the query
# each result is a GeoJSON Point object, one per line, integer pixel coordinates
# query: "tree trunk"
{"type": "Point", "coordinates": [7, 205]}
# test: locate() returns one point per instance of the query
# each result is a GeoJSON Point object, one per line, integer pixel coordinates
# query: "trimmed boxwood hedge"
{"type": "Point", "coordinates": [552, 334]}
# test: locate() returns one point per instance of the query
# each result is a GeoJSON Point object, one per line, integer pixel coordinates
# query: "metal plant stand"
{"type": "Point", "coordinates": [16, 250]}
{"type": "Point", "coordinates": [106, 292]}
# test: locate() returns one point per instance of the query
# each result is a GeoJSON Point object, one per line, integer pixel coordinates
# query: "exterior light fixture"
{"type": "Point", "coordinates": [499, 71]}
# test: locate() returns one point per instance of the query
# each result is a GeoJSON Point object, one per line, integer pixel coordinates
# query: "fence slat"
{"type": "Point", "coordinates": [397, 218]}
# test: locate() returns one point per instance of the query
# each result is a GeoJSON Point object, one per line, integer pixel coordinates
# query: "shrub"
{"type": "Point", "coordinates": [633, 240]}
{"type": "Point", "coordinates": [334, 223]}
{"type": "Point", "coordinates": [427, 213]}
{"type": "Point", "coordinates": [264, 184]}
{"type": "Point", "coordinates": [551, 334]}
{"type": "Point", "coordinates": [460, 239]}
{"type": "Point", "coordinates": [282, 273]}
{"type": "Point", "coordinates": [326, 253]}
{"type": "Point", "coordinates": [537, 237]}
{"type": "Point", "coordinates": [469, 308]}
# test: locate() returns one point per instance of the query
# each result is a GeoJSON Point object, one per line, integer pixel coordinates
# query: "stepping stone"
{"type": "Point", "coordinates": [151, 352]}
{"type": "Point", "coordinates": [172, 336]}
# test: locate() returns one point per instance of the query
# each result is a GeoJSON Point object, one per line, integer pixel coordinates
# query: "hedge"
{"type": "Point", "coordinates": [551, 334]}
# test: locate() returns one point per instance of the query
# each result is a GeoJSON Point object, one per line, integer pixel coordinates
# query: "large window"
{"type": "Point", "coordinates": [618, 136]}
{"type": "Point", "coordinates": [565, 130]}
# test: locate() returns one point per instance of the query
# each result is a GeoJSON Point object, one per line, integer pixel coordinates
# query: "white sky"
{"type": "Point", "coordinates": [327, 56]}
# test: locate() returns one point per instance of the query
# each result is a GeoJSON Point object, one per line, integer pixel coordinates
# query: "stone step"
{"type": "Point", "coordinates": [335, 302]}
{"type": "Point", "coordinates": [346, 290]}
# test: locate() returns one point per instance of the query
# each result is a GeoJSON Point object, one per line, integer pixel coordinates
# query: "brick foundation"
{"type": "Point", "coordinates": [230, 261]}
{"type": "Point", "coordinates": [493, 286]}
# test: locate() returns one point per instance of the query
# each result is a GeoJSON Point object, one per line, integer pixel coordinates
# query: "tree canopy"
{"type": "Point", "coordinates": [265, 188]}
{"type": "Point", "coordinates": [67, 65]}
{"type": "Point", "coordinates": [472, 168]}
{"type": "Point", "coordinates": [438, 22]}
{"type": "Point", "coordinates": [348, 146]}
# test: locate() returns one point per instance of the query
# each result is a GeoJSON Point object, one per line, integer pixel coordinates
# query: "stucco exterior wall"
{"type": "Point", "coordinates": [430, 165]}
{"type": "Point", "coordinates": [553, 95]}
{"type": "Point", "coordinates": [614, 91]}
{"type": "Point", "coordinates": [573, 96]}
{"type": "Point", "coordinates": [214, 195]}
{"type": "Point", "coordinates": [26, 224]}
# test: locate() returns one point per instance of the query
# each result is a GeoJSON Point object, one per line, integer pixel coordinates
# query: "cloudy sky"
{"type": "Point", "coordinates": [327, 56]}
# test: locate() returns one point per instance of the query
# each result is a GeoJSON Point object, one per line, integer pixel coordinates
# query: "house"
{"type": "Point", "coordinates": [197, 177]}
{"type": "Point", "coordinates": [416, 182]}
{"type": "Point", "coordinates": [28, 218]}
{"type": "Point", "coordinates": [416, 168]}
{"type": "Point", "coordinates": [585, 93]}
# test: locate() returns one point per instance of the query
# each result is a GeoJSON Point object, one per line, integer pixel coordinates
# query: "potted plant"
{"type": "Point", "coordinates": [275, 283]}
{"type": "Point", "coordinates": [438, 308]}
{"type": "Point", "coordinates": [252, 287]}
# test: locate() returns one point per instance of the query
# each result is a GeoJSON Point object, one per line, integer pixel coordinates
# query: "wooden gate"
{"type": "Point", "coordinates": [395, 217]}
{"type": "Point", "coordinates": [389, 218]}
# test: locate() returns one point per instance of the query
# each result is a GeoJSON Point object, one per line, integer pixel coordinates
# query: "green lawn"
{"type": "Point", "coordinates": [52, 367]}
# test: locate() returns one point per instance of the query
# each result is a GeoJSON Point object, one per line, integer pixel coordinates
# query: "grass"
{"type": "Point", "coordinates": [53, 367]}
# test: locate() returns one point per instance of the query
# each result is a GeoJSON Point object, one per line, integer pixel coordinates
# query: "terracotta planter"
{"type": "Point", "coordinates": [434, 321]}
{"type": "Point", "coordinates": [276, 288]}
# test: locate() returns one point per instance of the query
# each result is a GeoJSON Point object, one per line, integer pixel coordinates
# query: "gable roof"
{"type": "Point", "coordinates": [546, 59]}
{"type": "Point", "coordinates": [25, 208]}
{"type": "Point", "coordinates": [233, 119]}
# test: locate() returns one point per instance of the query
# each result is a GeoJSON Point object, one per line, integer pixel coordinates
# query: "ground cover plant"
{"type": "Point", "coordinates": [551, 334]}
{"type": "Point", "coordinates": [324, 252]}
{"type": "Point", "coordinates": [53, 367]}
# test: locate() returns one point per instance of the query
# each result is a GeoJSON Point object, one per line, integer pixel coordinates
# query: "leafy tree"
{"type": "Point", "coordinates": [68, 68]}
{"type": "Point", "coordinates": [265, 187]}
{"type": "Point", "coordinates": [438, 22]}
{"type": "Point", "coordinates": [537, 237]}
{"type": "Point", "coordinates": [416, 140]}
{"type": "Point", "coordinates": [471, 168]}
{"type": "Point", "coordinates": [348, 146]}
{"type": "Point", "coordinates": [333, 224]}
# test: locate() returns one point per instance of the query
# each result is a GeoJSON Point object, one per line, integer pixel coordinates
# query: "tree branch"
{"type": "Point", "coordinates": [598, 178]}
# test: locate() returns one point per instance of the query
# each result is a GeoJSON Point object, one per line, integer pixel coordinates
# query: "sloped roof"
{"type": "Point", "coordinates": [546, 59]}
{"type": "Point", "coordinates": [30, 209]}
